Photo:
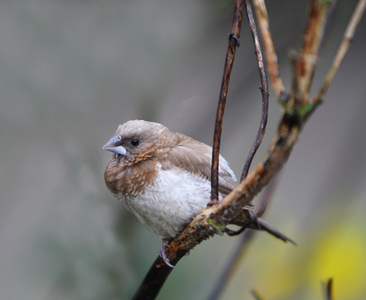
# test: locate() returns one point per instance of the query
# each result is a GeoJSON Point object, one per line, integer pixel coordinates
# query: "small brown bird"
{"type": "Point", "coordinates": [163, 177]}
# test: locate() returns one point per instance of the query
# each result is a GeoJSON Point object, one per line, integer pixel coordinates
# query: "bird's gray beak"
{"type": "Point", "coordinates": [115, 145]}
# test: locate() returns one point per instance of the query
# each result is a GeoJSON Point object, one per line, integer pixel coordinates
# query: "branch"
{"type": "Point", "coordinates": [271, 56]}
{"type": "Point", "coordinates": [256, 295]}
{"type": "Point", "coordinates": [328, 287]}
{"type": "Point", "coordinates": [308, 56]}
{"type": "Point", "coordinates": [243, 244]}
{"type": "Point", "coordinates": [264, 89]}
{"type": "Point", "coordinates": [342, 50]}
{"type": "Point", "coordinates": [213, 220]}
{"type": "Point", "coordinates": [230, 54]}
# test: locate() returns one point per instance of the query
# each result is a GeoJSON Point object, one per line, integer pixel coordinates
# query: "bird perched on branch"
{"type": "Point", "coordinates": [163, 177]}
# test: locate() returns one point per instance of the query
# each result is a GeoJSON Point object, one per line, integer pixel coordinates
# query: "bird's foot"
{"type": "Point", "coordinates": [163, 254]}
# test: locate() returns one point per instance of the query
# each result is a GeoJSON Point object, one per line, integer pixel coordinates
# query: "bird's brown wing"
{"type": "Point", "coordinates": [195, 157]}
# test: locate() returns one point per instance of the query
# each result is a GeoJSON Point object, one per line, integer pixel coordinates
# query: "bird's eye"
{"type": "Point", "coordinates": [135, 142]}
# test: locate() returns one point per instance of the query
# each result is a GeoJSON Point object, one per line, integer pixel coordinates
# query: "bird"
{"type": "Point", "coordinates": [164, 177]}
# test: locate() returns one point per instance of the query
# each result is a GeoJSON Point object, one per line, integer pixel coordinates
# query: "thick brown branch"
{"type": "Point", "coordinates": [153, 281]}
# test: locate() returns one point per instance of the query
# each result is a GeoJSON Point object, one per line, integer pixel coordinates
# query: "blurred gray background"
{"type": "Point", "coordinates": [71, 71]}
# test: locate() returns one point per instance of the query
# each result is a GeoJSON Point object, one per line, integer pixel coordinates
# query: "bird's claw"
{"type": "Point", "coordinates": [163, 254]}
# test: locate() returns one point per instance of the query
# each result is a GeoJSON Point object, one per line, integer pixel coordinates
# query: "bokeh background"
{"type": "Point", "coordinates": [71, 71]}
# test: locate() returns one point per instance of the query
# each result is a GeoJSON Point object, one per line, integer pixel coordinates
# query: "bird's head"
{"type": "Point", "coordinates": [139, 140]}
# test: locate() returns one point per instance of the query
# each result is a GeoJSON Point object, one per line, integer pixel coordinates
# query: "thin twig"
{"type": "Point", "coordinates": [295, 95]}
{"type": "Point", "coordinates": [241, 248]}
{"type": "Point", "coordinates": [313, 36]}
{"type": "Point", "coordinates": [264, 90]}
{"type": "Point", "coordinates": [230, 54]}
{"type": "Point", "coordinates": [271, 56]}
{"type": "Point", "coordinates": [256, 295]}
{"type": "Point", "coordinates": [328, 285]}
{"type": "Point", "coordinates": [342, 50]}
{"type": "Point", "coordinates": [243, 243]}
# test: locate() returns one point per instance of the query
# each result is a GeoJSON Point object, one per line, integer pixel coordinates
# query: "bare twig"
{"type": "Point", "coordinates": [243, 244]}
{"type": "Point", "coordinates": [271, 56]}
{"type": "Point", "coordinates": [230, 54]}
{"type": "Point", "coordinates": [256, 295]}
{"type": "Point", "coordinates": [313, 36]}
{"type": "Point", "coordinates": [264, 89]}
{"type": "Point", "coordinates": [328, 286]}
{"type": "Point", "coordinates": [294, 103]}
{"type": "Point", "coordinates": [342, 50]}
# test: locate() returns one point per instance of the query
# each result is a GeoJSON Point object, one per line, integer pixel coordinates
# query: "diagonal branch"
{"type": "Point", "coordinates": [342, 50]}
{"type": "Point", "coordinates": [213, 220]}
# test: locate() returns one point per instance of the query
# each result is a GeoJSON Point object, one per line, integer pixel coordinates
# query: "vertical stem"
{"type": "Point", "coordinates": [271, 56]}
{"type": "Point", "coordinates": [311, 43]}
{"type": "Point", "coordinates": [264, 89]}
{"type": "Point", "coordinates": [230, 54]}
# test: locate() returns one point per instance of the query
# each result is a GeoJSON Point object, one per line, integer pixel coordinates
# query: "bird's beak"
{"type": "Point", "coordinates": [115, 145]}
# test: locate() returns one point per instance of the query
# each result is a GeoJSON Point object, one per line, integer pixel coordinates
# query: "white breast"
{"type": "Point", "coordinates": [171, 203]}
{"type": "Point", "coordinates": [174, 199]}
